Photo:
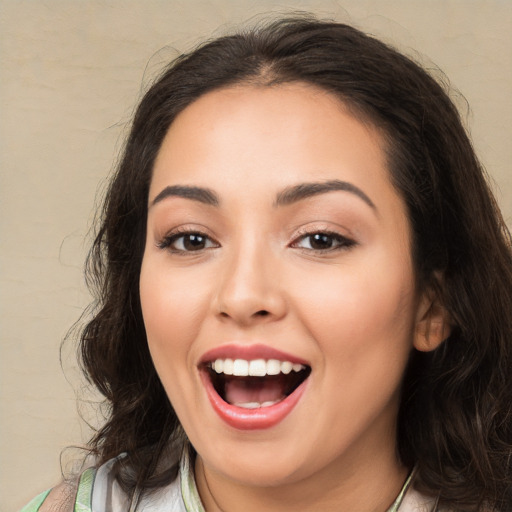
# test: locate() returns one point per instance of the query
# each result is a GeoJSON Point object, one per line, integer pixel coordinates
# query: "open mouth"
{"type": "Point", "coordinates": [257, 383]}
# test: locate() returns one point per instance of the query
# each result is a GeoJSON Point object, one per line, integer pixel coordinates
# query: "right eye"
{"type": "Point", "coordinates": [187, 242]}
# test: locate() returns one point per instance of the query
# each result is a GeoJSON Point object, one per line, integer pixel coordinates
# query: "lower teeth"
{"type": "Point", "coordinates": [255, 405]}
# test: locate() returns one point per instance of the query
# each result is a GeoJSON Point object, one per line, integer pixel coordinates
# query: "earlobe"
{"type": "Point", "coordinates": [432, 325]}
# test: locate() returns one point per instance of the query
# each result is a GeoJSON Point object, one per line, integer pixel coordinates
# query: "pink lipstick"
{"type": "Point", "coordinates": [253, 386]}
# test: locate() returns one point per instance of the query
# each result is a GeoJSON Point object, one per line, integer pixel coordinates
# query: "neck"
{"type": "Point", "coordinates": [343, 485]}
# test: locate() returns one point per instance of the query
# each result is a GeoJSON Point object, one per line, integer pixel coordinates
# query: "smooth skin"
{"type": "Point", "coordinates": [238, 266]}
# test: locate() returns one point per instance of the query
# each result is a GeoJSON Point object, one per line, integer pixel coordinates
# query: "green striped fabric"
{"type": "Point", "coordinates": [83, 502]}
{"type": "Point", "coordinates": [36, 503]}
{"type": "Point", "coordinates": [188, 485]}
{"type": "Point", "coordinates": [190, 495]}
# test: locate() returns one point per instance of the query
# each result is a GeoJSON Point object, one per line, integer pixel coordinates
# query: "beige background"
{"type": "Point", "coordinates": [71, 73]}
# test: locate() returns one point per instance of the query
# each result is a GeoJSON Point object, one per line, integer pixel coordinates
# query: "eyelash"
{"type": "Point", "coordinates": [338, 241]}
{"type": "Point", "coordinates": [168, 241]}
{"type": "Point", "coordinates": [341, 242]}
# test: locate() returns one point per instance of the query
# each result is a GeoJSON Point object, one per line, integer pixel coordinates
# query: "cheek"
{"type": "Point", "coordinates": [361, 315]}
{"type": "Point", "coordinates": [172, 305]}
{"type": "Point", "coordinates": [362, 324]}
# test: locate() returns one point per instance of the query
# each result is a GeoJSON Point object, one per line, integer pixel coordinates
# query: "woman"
{"type": "Point", "coordinates": [305, 290]}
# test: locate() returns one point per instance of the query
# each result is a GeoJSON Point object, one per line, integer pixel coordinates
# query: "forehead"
{"type": "Point", "coordinates": [261, 136]}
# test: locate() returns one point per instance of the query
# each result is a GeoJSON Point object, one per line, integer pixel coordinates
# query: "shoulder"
{"type": "Point", "coordinates": [97, 489]}
{"type": "Point", "coordinates": [66, 496]}
{"type": "Point", "coordinates": [59, 499]}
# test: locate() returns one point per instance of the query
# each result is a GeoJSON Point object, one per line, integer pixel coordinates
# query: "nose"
{"type": "Point", "coordinates": [249, 290]}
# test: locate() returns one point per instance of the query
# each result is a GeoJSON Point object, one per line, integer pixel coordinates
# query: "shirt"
{"type": "Point", "coordinates": [98, 491]}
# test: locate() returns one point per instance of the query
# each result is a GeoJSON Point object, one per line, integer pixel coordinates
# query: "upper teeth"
{"type": "Point", "coordinates": [255, 367]}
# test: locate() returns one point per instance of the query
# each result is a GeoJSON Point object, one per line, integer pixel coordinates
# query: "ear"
{"type": "Point", "coordinates": [432, 322]}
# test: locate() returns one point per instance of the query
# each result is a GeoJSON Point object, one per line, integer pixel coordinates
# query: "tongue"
{"type": "Point", "coordinates": [240, 391]}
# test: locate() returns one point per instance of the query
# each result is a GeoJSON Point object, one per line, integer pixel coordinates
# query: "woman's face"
{"type": "Point", "coordinates": [277, 286]}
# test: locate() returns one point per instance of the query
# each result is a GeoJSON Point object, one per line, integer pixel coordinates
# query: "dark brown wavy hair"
{"type": "Point", "coordinates": [455, 419]}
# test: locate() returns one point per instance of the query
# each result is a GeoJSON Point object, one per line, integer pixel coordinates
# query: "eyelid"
{"type": "Point", "coordinates": [346, 242]}
{"type": "Point", "coordinates": [310, 228]}
{"type": "Point", "coordinates": [171, 236]}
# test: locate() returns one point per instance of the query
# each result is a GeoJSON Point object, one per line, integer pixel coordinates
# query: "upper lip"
{"type": "Point", "coordinates": [249, 353]}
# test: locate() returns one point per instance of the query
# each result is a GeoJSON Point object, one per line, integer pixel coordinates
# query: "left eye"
{"type": "Point", "coordinates": [323, 242]}
{"type": "Point", "coordinates": [188, 242]}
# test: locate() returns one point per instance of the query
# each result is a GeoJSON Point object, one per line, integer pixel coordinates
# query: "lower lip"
{"type": "Point", "coordinates": [252, 419]}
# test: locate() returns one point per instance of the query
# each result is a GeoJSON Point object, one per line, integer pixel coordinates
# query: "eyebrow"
{"type": "Point", "coordinates": [201, 194]}
{"type": "Point", "coordinates": [286, 197]}
{"type": "Point", "coordinates": [302, 191]}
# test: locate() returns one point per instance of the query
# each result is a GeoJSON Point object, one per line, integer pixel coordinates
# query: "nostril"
{"type": "Point", "coordinates": [262, 312]}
